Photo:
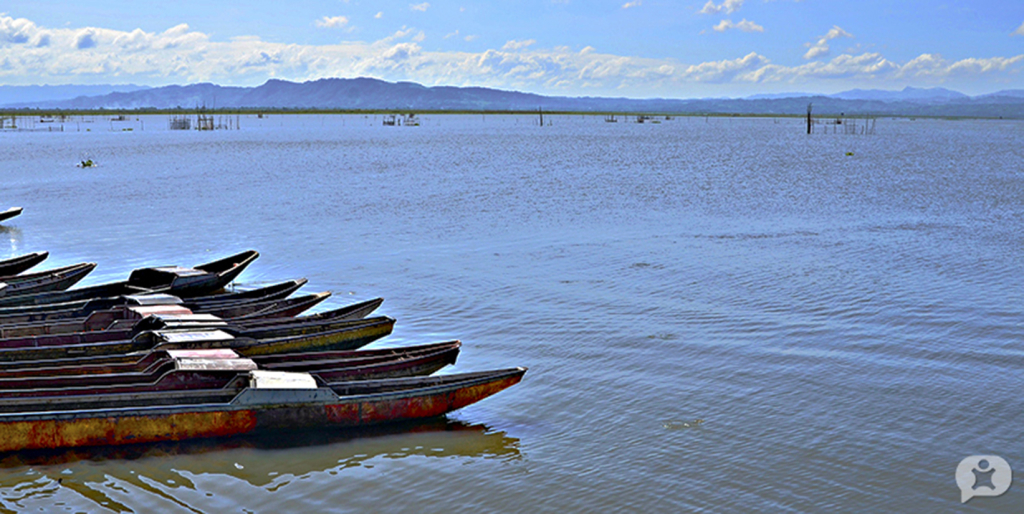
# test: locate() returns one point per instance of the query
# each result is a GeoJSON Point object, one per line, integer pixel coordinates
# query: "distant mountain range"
{"type": "Point", "coordinates": [373, 94]}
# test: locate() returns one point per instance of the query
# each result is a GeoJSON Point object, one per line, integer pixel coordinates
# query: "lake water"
{"type": "Point", "coordinates": [844, 312]}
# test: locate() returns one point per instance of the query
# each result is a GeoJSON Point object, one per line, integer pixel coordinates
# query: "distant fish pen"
{"type": "Point", "coordinates": [850, 127]}
{"type": "Point", "coordinates": [203, 122]}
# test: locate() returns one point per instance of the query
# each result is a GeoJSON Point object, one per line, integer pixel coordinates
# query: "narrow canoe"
{"type": "Point", "coordinates": [124, 318]}
{"type": "Point", "coordinates": [82, 308]}
{"type": "Point", "coordinates": [16, 265]}
{"type": "Point", "coordinates": [57, 279]}
{"type": "Point", "coordinates": [203, 279]}
{"type": "Point", "coordinates": [145, 362]}
{"type": "Point", "coordinates": [270, 402]}
{"type": "Point", "coordinates": [172, 370]}
{"type": "Point", "coordinates": [10, 213]}
{"type": "Point", "coordinates": [246, 303]}
{"type": "Point", "coordinates": [336, 336]}
{"type": "Point", "coordinates": [166, 318]}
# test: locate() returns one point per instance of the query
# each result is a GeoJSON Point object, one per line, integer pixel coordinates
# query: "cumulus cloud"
{"type": "Point", "coordinates": [379, 15]}
{"type": "Point", "coordinates": [332, 22]}
{"type": "Point", "coordinates": [744, 25]}
{"type": "Point", "coordinates": [820, 48]}
{"type": "Point", "coordinates": [420, 7]}
{"type": "Point", "coordinates": [518, 45]}
{"type": "Point", "coordinates": [1019, 31]}
{"type": "Point", "coordinates": [633, 3]}
{"type": "Point", "coordinates": [727, 6]}
{"type": "Point", "coordinates": [180, 54]}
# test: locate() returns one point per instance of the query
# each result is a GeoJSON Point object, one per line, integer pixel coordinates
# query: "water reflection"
{"type": "Point", "coordinates": [118, 478]}
{"type": "Point", "coordinates": [13, 236]}
{"type": "Point", "coordinates": [440, 437]}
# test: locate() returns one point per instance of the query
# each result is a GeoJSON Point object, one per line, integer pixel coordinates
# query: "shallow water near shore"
{"type": "Point", "coordinates": [848, 326]}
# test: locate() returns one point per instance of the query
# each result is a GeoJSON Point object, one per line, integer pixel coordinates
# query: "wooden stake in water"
{"type": "Point", "coordinates": [808, 118]}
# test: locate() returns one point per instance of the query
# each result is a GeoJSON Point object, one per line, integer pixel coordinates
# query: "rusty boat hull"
{"type": "Point", "coordinates": [105, 420]}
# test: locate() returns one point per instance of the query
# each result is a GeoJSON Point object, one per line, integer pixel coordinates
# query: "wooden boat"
{"type": "Point", "coordinates": [124, 318]}
{"type": "Point", "coordinates": [10, 213]}
{"type": "Point", "coordinates": [16, 265]}
{"type": "Point", "coordinates": [170, 318]}
{"type": "Point", "coordinates": [348, 335]}
{"type": "Point", "coordinates": [178, 370]}
{"type": "Point", "coordinates": [260, 401]}
{"type": "Point", "coordinates": [271, 292]}
{"type": "Point", "coordinates": [82, 309]}
{"type": "Point", "coordinates": [57, 279]}
{"type": "Point", "coordinates": [203, 279]}
{"type": "Point", "coordinates": [285, 308]}
{"type": "Point", "coordinates": [127, 365]}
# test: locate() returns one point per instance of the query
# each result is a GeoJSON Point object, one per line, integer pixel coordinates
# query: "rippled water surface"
{"type": "Point", "coordinates": [848, 326]}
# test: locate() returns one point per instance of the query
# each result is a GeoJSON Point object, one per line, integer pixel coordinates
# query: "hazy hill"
{"type": "Point", "coordinates": [908, 94]}
{"type": "Point", "coordinates": [373, 94]}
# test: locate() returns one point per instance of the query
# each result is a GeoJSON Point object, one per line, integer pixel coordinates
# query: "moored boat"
{"type": "Point", "coordinates": [10, 213]}
{"type": "Point", "coordinates": [202, 279]}
{"type": "Point", "coordinates": [348, 335]}
{"type": "Point", "coordinates": [267, 401]}
{"type": "Point", "coordinates": [180, 370]}
{"type": "Point", "coordinates": [405, 359]}
{"type": "Point", "coordinates": [22, 263]}
{"type": "Point", "coordinates": [57, 279]}
{"type": "Point", "coordinates": [83, 308]}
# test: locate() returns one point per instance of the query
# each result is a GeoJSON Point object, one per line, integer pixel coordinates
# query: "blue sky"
{"type": "Point", "coordinates": [634, 48]}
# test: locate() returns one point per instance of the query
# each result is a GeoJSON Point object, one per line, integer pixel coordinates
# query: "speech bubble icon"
{"type": "Point", "coordinates": [983, 475]}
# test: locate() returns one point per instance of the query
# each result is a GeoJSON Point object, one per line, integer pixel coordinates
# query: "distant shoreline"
{"type": "Point", "coordinates": [46, 113]}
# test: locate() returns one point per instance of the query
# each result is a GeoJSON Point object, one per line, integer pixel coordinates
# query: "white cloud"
{"type": "Point", "coordinates": [420, 7]}
{"type": "Point", "coordinates": [1019, 31]}
{"type": "Point", "coordinates": [744, 25]}
{"type": "Point", "coordinates": [518, 45]}
{"type": "Point", "coordinates": [332, 22]}
{"type": "Point", "coordinates": [452, 34]}
{"type": "Point", "coordinates": [632, 3]}
{"type": "Point", "coordinates": [471, 37]}
{"type": "Point", "coordinates": [727, 6]}
{"type": "Point", "coordinates": [820, 48]}
{"type": "Point", "coordinates": [98, 55]}
{"type": "Point", "coordinates": [379, 15]}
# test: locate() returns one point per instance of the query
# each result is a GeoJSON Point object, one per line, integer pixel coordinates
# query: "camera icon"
{"type": "Point", "coordinates": [983, 475]}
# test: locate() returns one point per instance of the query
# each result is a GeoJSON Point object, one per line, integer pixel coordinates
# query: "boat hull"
{"type": "Point", "coordinates": [252, 411]}
{"type": "Point", "coordinates": [16, 265]}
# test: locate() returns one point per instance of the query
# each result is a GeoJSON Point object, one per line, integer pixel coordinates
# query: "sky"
{"type": "Point", "coordinates": [621, 48]}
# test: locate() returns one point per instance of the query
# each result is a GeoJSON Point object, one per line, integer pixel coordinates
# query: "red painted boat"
{"type": "Point", "coordinates": [267, 401]}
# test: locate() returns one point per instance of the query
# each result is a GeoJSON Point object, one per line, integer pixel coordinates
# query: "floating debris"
{"type": "Point", "coordinates": [680, 425]}
{"type": "Point", "coordinates": [86, 164]}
